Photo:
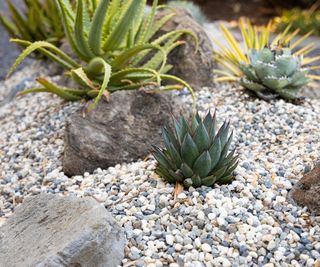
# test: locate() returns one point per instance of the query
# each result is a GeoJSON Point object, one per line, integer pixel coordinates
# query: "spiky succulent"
{"type": "Point", "coordinates": [231, 52]}
{"type": "Point", "coordinates": [196, 154]}
{"type": "Point", "coordinates": [274, 73]}
{"type": "Point", "coordinates": [39, 22]}
{"type": "Point", "coordinates": [114, 49]}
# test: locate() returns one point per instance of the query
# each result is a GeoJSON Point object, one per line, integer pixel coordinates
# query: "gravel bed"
{"type": "Point", "coordinates": [246, 223]}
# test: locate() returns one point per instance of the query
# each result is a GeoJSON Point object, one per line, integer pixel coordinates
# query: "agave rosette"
{"type": "Point", "coordinates": [115, 50]}
{"type": "Point", "coordinates": [273, 73]}
{"type": "Point", "coordinates": [231, 54]}
{"type": "Point", "coordinates": [196, 154]}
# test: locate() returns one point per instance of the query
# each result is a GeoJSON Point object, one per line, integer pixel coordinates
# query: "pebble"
{"type": "Point", "coordinates": [247, 221]}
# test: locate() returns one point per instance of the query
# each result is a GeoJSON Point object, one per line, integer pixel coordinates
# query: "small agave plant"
{"type": "Point", "coordinates": [114, 48]}
{"type": "Point", "coordinates": [196, 154]}
{"type": "Point", "coordinates": [274, 73]}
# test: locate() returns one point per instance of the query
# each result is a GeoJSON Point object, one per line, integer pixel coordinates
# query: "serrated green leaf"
{"type": "Point", "coordinates": [95, 33]}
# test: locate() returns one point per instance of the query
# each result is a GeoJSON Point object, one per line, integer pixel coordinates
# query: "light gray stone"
{"type": "Point", "coordinates": [53, 231]}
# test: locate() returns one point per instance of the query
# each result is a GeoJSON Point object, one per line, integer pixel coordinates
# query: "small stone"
{"type": "Point", "coordinates": [169, 239]}
{"type": "Point", "coordinates": [206, 247]}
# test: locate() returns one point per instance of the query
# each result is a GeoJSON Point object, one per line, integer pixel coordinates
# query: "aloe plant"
{"type": "Point", "coordinates": [114, 48]}
{"type": "Point", "coordinates": [40, 21]}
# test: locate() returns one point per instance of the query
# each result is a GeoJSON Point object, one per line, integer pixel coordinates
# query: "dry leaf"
{"type": "Point", "coordinates": [177, 190]}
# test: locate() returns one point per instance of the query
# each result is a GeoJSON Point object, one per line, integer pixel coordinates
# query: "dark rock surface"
{"type": "Point", "coordinates": [8, 51]}
{"type": "Point", "coordinates": [54, 231]}
{"type": "Point", "coordinates": [121, 130]}
{"type": "Point", "coordinates": [196, 68]}
{"type": "Point", "coordinates": [307, 191]}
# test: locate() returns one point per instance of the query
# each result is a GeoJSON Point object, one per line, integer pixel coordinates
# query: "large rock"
{"type": "Point", "coordinates": [194, 68]}
{"type": "Point", "coordinates": [307, 191]}
{"type": "Point", "coordinates": [121, 130]}
{"type": "Point", "coordinates": [53, 231]}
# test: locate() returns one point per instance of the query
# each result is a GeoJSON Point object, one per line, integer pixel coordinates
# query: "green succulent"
{"type": "Point", "coordinates": [274, 73]}
{"type": "Point", "coordinates": [39, 22]}
{"type": "Point", "coordinates": [114, 49]}
{"type": "Point", "coordinates": [305, 20]}
{"type": "Point", "coordinates": [194, 10]}
{"type": "Point", "coordinates": [196, 154]}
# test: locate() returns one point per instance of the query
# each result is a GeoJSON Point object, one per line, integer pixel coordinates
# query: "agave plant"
{"type": "Point", "coordinates": [114, 47]}
{"type": "Point", "coordinates": [196, 154]}
{"type": "Point", "coordinates": [40, 21]}
{"type": "Point", "coordinates": [231, 54]}
{"type": "Point", "coordinates": [274, 73]}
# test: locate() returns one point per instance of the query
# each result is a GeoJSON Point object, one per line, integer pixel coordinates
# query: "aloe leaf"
{"type": "Point", "coordinates": [79, 32]}
{"type": "Point", "coordinates": [130, 86]}
{"type": "Point", "coordinates": [123, 26]}
{"type": "Point", "coordinates": [158, 24]}
{"type": "Point", "coordinates": [106, 78]}
{"type": "Point", "coordinates": [178, 80]}
{"type": "Point", "coordinates": [146, 25]}
{"type": "Point", "coordinates": [49, 87]}
{"type": "Point", "coordinates": [8, 25]}
{"type": "Point", "coordinates": [69, 63]}
{"type": "Point", "coordinates": [133, 74]}
{"type": "Point", "coordinates": [36, 46]}
{"type": "Point", "coordinates": [127, 55]}
{"type": "Point", "coordinates": [81, 78]}
{"type": "Point", "coordinates": [68, 24]}
{"type": "Point", "coordinates": [20, 22]}
{"type": "Point", "coordinates": [95, 34]}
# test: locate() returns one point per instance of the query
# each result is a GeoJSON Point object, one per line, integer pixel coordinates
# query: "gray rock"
{"type": "Point", "coordinates": [196, 68]}
{"type": "Point", "coordinates": [54, 231]}
{"type": "Point", "coordinates": [121, 130]}
{"type": "Point", "coordinates": [307, 191]}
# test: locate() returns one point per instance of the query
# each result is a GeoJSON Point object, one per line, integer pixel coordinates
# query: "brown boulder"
{"type": "Point", "coordinates": [121, 130]}
{"type": "Point", "coordinates": [194, 68]}
{"type": "Point", "coordinates": [307, 191]}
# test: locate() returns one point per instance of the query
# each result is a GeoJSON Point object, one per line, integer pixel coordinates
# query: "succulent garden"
{"type": "Point", "coordinates": [148, 133]}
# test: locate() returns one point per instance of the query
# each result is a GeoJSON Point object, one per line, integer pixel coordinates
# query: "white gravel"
{"type": "Point", "coordinates": [246, 223]}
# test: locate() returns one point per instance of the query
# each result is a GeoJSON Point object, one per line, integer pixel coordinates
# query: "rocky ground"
{"type": "Point", "coordinates": [247, 223]}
